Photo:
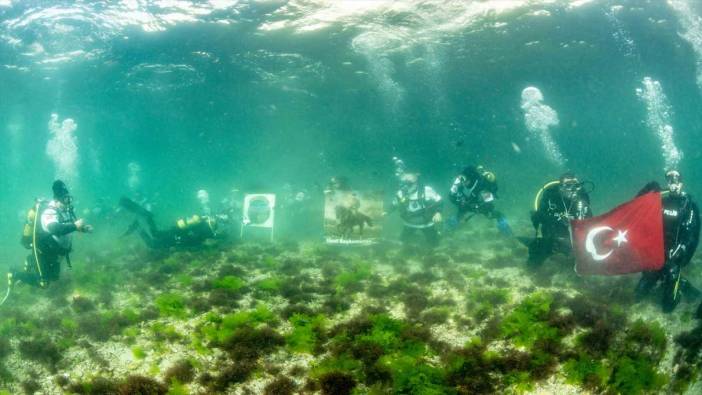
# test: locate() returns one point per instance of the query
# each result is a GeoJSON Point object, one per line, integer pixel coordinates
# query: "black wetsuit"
{"type": "Point", "coordinates": [190, 235]}
{"type": "Point", "coordinates": [471, 192]}
{"type": "Point", "coordinates": [552, 218]}
{"type": "Point", "coordinates": [681, 227]}
{"type": "Point", "coordinates": [187, 233]}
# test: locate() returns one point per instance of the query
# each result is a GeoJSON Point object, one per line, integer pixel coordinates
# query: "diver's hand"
{"type": "Point", "coordinates": [677, 252]}
{"type": "Point", "coordinates": [436, 218]}
{"type": "Point", "coordinates": [81, 226]}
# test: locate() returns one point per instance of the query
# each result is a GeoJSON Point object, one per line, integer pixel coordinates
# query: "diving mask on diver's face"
{"type": "Point", "coordinates": [570, 187]}
{"type": "Point", "coordinates": [408, 183]}
{"type": "Point", "coordinates": [408, 187]}
{"type": "Point", "coordinates": [674, 180]}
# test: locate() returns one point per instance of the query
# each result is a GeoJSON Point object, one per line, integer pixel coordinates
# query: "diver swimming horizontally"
{"type": "Point", "coordinates": [474, 191]}
{"type": "Point", "coordinates": [187, 232]}
{"type": "Point", "coordinates": [48, 234]}
{"type": "Point", "coordinates": [681, 229]}
{"type": "Point", "coordinates": [557, 203]}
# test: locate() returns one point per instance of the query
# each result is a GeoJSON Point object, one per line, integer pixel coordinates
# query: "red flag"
{"type": "Point", "coordinates": [628, 239]}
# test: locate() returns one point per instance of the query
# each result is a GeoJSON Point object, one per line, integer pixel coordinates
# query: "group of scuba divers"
{"type": "Point", "coordinates": [50, 225]}
{"type": "Point", "coordinates": [474, 192]}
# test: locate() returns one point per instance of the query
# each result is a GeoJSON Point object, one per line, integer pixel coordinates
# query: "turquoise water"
{"type": "Point", "coordinates": [170, 97]}
{"type": "Point", "coordinates": [256, 93]}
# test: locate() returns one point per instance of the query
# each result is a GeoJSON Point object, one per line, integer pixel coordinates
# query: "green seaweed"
{"type": "Point", "coordinates": [218, 329]}
{"type": "Point", "coordinates": [229, 283]}
{"type": "Point", "coordinates": [414, 376]}
{"type": "Point", "coordinates": [627, 362]}
{"type": "Point", "coordinates": [305, 334]}
{"type": "Point", "coordinates": [166, 332]}
{"type": "Point", "coordinates": [351, 280]}
{"type": "Point", "coordinates": [585, 371]}
{"type": "Point", "coordinates": [171, 305]}
{"type": "Point", "coordinates": [270, 285]}
{"type": "Point", "coordinates": [138, 352]}
{"type": "Point", "coordinates": [528, 322]}
{"type": "Point", "coordinates": [635, 376]}
{"type": "Point", "coordinates": [483, 301]}
{"type": "Point", "coordinates": [177, 388]}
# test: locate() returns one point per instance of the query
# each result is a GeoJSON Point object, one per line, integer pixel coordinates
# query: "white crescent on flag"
{"type": "Point", "coordinates": [590, 243]}
{"type": "Point", "coordinates": [627, 239]}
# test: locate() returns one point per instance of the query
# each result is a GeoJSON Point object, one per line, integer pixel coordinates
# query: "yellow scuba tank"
{"type": "Point", "coordinates": [184, 223]}
{"type": "Point", "coordinates": [27, 239]}
{"type": "Point", "coordinates": [537, 199]}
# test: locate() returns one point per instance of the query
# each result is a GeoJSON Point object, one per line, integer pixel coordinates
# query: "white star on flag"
{"type": "Point", "coordinates": [621, 237]}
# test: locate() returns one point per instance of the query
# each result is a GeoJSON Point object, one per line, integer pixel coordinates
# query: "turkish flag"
{"type": "Point", "coordinates": [628, 239]}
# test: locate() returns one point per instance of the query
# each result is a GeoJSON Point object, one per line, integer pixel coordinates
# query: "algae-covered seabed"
{"type": "Point", "coordinates": [285, 318]}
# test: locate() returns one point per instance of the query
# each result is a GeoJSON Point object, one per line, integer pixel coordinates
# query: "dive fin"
{"type": "Point", "coordinates": [134, 207]}
{"type": "Point", "coordinates": [526, 241]}
{"type": "Point", "coordinates": [133, 227]}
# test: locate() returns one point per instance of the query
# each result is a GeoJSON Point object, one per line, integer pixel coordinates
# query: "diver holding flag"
{"type": "Point", "coordinates": [655, 233]}
{"type": "Point", "coordinates": [681, 232]}
{"type": "Point", "coordinates": [556, 204]}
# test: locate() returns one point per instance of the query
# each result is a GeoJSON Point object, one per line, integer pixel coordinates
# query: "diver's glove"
{"type": "Point", "coordinates": [503, 227]}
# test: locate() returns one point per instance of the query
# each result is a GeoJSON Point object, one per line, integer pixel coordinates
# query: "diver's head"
{"type": "Point", "coordinates": [61, 192]}
{"type": "Point", "coordinates": [486, 174]}
{"type": "Point", "coordinates": [674, 180]}
{"type": "Point", "coordinates": [569, 185]}
{"type": "Point", "coordinates": [474, 172]}
{"type": "Point", "coordinates": [409, 182]}
{"type": "Point", "coordinates": [470, 171]}
{"type": "Point", "coordinates": [339, 183]}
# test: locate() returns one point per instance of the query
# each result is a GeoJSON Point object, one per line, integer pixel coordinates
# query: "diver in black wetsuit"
{"type": "Point", "coordinates": [188, 232]}
{"type": "Point", "coordinates": [474, 191]}
{"type": "Point", "coordinates": [681, 227]}
{"type": "Point", "coordinates": [557, 204]}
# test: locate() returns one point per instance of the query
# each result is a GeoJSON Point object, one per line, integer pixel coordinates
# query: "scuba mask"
{"type": "Point", "coordinates": [67, 200]}
{"type": "Point", "coordinates": [408, 187]}
{"type": "Point", "coordinates": [409, 183]}
{"type": "Point", "coordinates": [570, 188]}
{"type": "Point", "coordinates": [675, 183]}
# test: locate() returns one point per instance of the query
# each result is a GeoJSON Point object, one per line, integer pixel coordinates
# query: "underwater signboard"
{"type": "Point", "coordinates": [352, 217]}
{"type": "Point", "coordinates": [258, 212]}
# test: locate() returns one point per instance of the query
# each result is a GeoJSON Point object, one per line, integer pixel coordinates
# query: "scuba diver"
{"type": "Point", "coordinates": [556, 204]}
{"type": "Point", "coordinates": [420, 208]}
{"type": "Point", "coordinates": [48, 234]}
{"type": "Point", "coordinates": [187, 232]}
{"type": "Point", "coordinates": [681, 229]}
{"type": "Point", "coordinates": [232, 205]}
{"type": "Point", "coordinates": [337, 184]}
{"type": "Point", "coordinates": [474, 191]}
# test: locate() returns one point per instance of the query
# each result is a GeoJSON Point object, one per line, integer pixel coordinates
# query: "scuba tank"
{"type": "Point", "coordinates": [30, 229]}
